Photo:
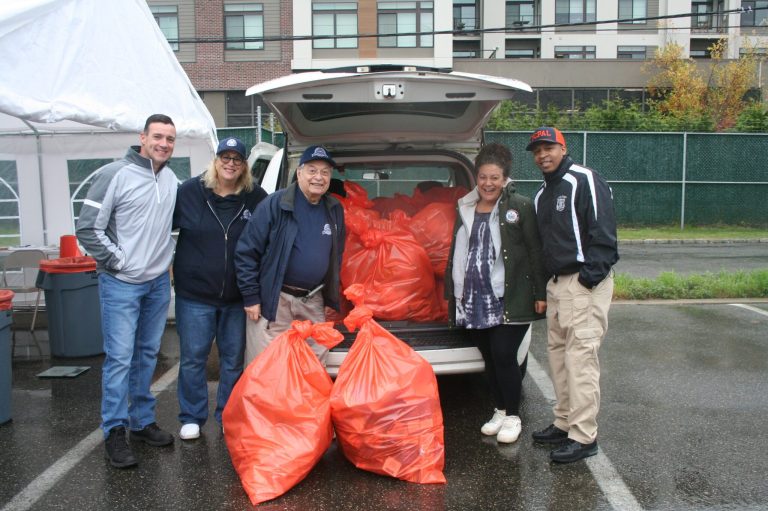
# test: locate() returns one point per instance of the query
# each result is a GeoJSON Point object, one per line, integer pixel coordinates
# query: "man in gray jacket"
{"type": "Point", "coordinates": [125, 224]}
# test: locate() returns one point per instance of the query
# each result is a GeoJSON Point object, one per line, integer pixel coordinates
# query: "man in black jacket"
{"type": "Point", "coordinates": [574, 210]}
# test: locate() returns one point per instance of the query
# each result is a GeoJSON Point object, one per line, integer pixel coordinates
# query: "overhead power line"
{"type": "Point", "coordinates": [455, 32]}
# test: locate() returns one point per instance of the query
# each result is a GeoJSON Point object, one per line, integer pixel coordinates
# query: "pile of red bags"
{"type": "Point", "coordinates": [385, 403]}
{"type": "Point", "coordinates": [385, 407]}
{"type": "Point", "coordinates": [398, 249]}
{"type": "Point", "coordinates": [277, 422]}
{"type": "Point", "coordinates": [393, 267]}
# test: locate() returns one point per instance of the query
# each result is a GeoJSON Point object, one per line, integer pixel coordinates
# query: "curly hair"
{"type": "Point", "coordinates": [495, 154]}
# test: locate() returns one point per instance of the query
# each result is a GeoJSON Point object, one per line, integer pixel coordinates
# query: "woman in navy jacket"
{"type": "Point", "coordinates": [211, 211]}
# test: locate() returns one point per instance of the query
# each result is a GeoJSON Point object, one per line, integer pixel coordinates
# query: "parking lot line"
{"type": "Point", "coordinates": [27, 497]}
{"type": "Point", "coordinates": [750, 308]}
{"type": "Point", "coordinates": [606, 476]}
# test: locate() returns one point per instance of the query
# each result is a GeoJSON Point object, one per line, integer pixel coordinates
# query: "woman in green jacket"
{"type": "Point", "coordinates": [495, 281]}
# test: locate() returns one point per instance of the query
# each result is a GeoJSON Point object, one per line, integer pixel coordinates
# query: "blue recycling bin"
{"type": "Point", "coordinates": [71, 288]}
{"type": "Point", "coordinates": [6, 354]}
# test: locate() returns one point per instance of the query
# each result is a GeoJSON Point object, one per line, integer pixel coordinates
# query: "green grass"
{"type": "Point", "coordinates": [671, 286]}
{"type": "Point", "coordinates": [704, 232]}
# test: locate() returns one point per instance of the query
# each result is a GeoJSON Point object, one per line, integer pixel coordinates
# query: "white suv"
{"type": "Point", "coordinates": [390, 128]}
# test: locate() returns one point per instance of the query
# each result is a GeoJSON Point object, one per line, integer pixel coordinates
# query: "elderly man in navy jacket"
{"type": "Point", "coordinates": [288, 258]}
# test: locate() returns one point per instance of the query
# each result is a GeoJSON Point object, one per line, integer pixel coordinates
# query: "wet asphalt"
{"type": "Point", "coordinates": [682, 425]}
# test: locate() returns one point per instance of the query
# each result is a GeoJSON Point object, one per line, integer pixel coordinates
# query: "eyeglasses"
{"type": "Point", "coordinates": [234, 159]}
{"type": "Point", "coordinates": [314, 171]}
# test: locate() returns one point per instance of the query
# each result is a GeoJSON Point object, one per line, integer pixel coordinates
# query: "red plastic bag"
{"type": "Point", "coordinates": [385, 404]}
{"type": "Point", "coordinates": [433, 229]}
{"type": "Point", "coordinates": [449, 195]}
{"type": "Point", "coordinates": [277, 422]}
{"type": "Point", "coordinates": [386, 205]}
{"type": "Point", "coordinates": [356, 195]}
{"type": "Point", "coordinates": [394, 268]}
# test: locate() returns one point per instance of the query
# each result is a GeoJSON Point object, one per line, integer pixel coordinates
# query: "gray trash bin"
{"type": "Point", "coordinates": [6, 356]}
{"type": "Point", "coordinates": [72, 304]}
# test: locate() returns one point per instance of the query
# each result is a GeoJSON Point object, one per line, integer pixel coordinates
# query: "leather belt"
{"type": "Point", "coordinates": [295, 291]}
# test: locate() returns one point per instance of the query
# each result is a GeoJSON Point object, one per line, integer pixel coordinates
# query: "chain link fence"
{"type": "Point", "coordinates": [657, 178]}
{"type": "Point", "coordinates": [665, 178]}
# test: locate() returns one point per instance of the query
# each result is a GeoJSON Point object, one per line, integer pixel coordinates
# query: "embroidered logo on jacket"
{"type": "Point", "coordinates": [326, 230]}
{"type": "Point", "coordinates": [560, 204]}
{"type": "Point", "coordinates": [246, 215]}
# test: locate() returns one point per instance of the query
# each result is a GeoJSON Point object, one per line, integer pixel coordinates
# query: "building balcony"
{"type": "Point", "coordinates": [708, 25]}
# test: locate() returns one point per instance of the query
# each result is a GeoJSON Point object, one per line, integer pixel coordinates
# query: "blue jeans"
{"type": "Point", "coordinates": [133, 318]}
{"type": "Point", "coordinates": [198, 324]}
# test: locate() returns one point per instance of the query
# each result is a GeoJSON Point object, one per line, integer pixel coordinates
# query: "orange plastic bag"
{"type": "Point", "coordinates": [433, 229]}
{"type": "Point", "coordinates": [394, 268]}
{"type": "Point", "coordinates": [385, 404]}
{"type": "Point", "coordinates": [277, 422]}
{"type": "Point", "coordinates": [450, 195]}
{"type": "Point", "coordinates": [386, 205]}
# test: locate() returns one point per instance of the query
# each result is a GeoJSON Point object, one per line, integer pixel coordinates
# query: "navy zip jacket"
{"type": "Point", "coordinates": [262, 254]}
{"type": "Point", "coordinates": [203, 268]}
{"type": "Point", "coordinates": [577, 223]}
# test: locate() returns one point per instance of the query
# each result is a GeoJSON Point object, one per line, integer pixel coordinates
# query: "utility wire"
{"type": "Point", "coordinates": [455, 32]}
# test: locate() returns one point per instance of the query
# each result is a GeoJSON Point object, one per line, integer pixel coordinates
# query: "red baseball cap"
{"type": "Point", "coordinates": [546, 134]}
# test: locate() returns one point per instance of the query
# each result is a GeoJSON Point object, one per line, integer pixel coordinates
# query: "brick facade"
{"type": "Point", "coordinates": [211, 71]}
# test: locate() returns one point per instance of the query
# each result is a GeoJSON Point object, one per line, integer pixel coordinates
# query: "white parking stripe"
{"type": "Point", "coordinates": [610, 482]}
{"type": "Point", "coordinates": [45, 481]}
{"type": "Point", "coordinates": [750, 308]}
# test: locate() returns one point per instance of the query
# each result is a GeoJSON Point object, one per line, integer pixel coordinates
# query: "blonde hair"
{"type": "Point", "coordinates": [244, 182]}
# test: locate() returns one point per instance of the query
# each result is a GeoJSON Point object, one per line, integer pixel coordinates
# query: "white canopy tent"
{"type": "Point", "coordinates": [79, 79]}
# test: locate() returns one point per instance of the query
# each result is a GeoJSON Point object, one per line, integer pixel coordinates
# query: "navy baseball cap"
{"type": "Point", "coordinates": [232, 144]}
{"type": "Point", "coordinates": [546, 134]}
{"type": "Point", "coordinates": [316, 152]}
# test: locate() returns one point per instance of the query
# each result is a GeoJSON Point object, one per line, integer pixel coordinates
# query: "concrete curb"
{"type": "Point", "coordinates": [703, 301]}
{"type": "Point", "coordinates": [726, 241]}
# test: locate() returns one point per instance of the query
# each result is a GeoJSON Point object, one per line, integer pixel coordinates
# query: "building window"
{"type": "Point", "coordinates": [520, 53]}
{"type": "Point", "coordinates": [243, 110]}
{"type": "Point", "coordinates": [244, 21]}
{"type": "Point", "coordinates": [167, 17]}
{"type": "Point", "coordinates": [334, 19]}
{"type": "Point", "coordinates": [465, 15]}
{"type": "Point", "coordinates": [465, 54]}
{"type": "Point", "coordinates": [575, 52]}
{"type": "Point", "coordinates": [410, 18]}
{"type": "Point", "coordinates": [574, 11]}
{"type": "Point", "coordinates": [703, 20]}
{"type": "Point", "coordinates": [757, 16]}
{"type": "Point", "coordinates": [633, 11]}
{"type": "Point", "coordinates": [520, 13]}
{"type": "Point", "coordinates": [631, 52]}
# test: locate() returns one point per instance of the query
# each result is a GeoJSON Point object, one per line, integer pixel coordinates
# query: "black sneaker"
{"type": "Point", "coordinates": [550, 435]}
{"type": "Point", "coordinates": [119, 453]}
{"type": "Point", "coordinates": [153, 435]}
{"type": "Point", "coordinates": [573, 451]}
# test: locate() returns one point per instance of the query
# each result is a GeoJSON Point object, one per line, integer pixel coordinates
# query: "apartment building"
{"type": "Point", "coordinates": [573, 52]}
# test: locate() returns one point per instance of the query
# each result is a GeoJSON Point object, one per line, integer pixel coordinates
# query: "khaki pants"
{"type": "Point", "coordinates": [577, 319]}
{"type": "Point", "coordinates": [258, 334]}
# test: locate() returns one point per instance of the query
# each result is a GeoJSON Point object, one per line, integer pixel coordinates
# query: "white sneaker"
{"type": "Point", "coordinates": [493, 426]}
{"type": "Point", "coordinates": [189, 431]}
{"type": "Point", "coordinates": [510, 429]}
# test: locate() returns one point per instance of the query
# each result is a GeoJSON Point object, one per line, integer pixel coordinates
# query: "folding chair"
{"type": "Point", "coordinates": [20, 269]}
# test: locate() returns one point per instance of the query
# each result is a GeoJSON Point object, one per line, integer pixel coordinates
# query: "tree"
{"type": "Point", "coordinates": [681, 92]}
{"type": "Point", "coordinates": [729, 82]}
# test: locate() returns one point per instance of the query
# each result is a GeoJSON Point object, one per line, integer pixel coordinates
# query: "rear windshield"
{"type": "Point", "coordinates": [326, 111]}
{"type": "Point", "coordinates": [403, 178]}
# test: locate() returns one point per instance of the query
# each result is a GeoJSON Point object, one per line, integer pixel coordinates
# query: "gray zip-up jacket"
{"type": "Point", "coordinates": [125, 221]}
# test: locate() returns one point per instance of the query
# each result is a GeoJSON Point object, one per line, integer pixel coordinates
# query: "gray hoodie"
{"type": "Point", "coordinates": [125, 221]}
